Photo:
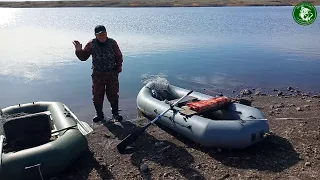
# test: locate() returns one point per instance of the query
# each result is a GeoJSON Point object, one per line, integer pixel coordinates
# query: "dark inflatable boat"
{"type": "Point", "coordinates": [231, 126]}
{"type": "Point", "coordinates": [39, 140]}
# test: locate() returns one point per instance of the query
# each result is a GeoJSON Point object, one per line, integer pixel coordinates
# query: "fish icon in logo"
{"type": "Point", "coordinates": [304, 13]}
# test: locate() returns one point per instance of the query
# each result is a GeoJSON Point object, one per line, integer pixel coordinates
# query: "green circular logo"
{"type": "Point", "coordinates": [304, 13]}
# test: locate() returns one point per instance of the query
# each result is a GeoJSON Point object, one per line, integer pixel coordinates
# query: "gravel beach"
{"type": "Point", "coordinates": [291, 152]}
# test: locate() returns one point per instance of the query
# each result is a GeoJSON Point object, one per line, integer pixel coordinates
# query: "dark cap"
{"type": "Point", "coordinates": [99, 29]}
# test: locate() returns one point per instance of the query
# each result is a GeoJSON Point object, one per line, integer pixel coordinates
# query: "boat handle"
{"type": "Point", "coordinates": [36, 165]}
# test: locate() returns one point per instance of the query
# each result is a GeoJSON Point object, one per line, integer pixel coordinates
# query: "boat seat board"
{"type": "Point", "coordinates": [185, 110]}
{"type": "Point", "coordinates": [29, 130]}
{"type": "Point", "coordinates": [185, 100]}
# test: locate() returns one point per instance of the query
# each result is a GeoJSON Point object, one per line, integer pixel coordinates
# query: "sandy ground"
{"type": "Point", "coordinates": [153, 3]}
{"type": "Point", "coordinates": [292, 152]}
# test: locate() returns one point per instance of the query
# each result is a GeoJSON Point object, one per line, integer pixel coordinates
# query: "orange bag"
{"type": "Point", "coordinates": [210, 104]}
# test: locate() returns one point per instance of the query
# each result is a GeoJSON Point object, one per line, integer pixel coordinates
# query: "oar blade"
{"type": "Point", "coordinates": [84, 128]}
{"type": "Point", "coordinates": [131, 138]}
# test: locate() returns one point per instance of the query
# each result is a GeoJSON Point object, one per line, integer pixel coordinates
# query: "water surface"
{"type": "Point", "coordinates": [216, 48]}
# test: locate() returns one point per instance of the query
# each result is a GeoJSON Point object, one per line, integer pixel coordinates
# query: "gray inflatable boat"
{"type": "Point", "coordinates": [235, 126]}
{"type": "Point", "coordinates": [38, 140]}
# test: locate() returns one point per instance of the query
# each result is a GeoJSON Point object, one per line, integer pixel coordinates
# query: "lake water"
{"type": "Point", "coordinates": [219, 49]}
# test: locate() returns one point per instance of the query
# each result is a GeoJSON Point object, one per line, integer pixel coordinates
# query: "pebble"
{"type": "Point", "coordinates": [225, 176]}
{"type": "Point", "coordinates": [144, 168]}
{"type": "Point", "coordinates": [293, 178]}
{"type": "Point", "coordinates": [271, 113]}
{"type": "Point", "coordinates": [278, 110]}
{"type": "Point", "coordinates": [309, 100]}
{"type": "Point", "coordinates": [298, 109]}
{"type": "Point", "coordinates": [245, 92]}
{"type": "Point", "coordinates": [289, 88]}
{"type": "Point", "coordinates": [280, 93]}
{"type": "Point", "coordinates": [107, 135]}
{"type": "Point", "coordinates": [279, 105]}
{"type": "Point", "coordinates": [307, 164]}
{"type": "Point", "coordinates": [306, 106]}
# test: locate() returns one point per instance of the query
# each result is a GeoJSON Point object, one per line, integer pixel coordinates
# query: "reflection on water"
{"type": "Point", "coordinates": [8, 16]}
{"type": "Point", "coordinates": [201, 48]}
{"type": "Point", "coordinates": [30, 51]}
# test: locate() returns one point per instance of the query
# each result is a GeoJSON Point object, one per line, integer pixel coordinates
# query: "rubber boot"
{"type": "Point", "coordinates": [99, 113]}
{"type": "Point", "coordinates": [115, 111]}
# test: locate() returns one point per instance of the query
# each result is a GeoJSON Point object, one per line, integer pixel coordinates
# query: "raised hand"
{"type": "Point", "coordinates": [77, 45]}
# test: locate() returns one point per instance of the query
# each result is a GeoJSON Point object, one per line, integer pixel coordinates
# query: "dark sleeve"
{"type": "Point", "coordinates": [118, 54]}
{"type": "Point", "coordinates": [85, 53]}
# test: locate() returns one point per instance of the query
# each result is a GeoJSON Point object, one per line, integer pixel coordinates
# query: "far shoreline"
{"type": "Point", "coordinates": [150, 3]}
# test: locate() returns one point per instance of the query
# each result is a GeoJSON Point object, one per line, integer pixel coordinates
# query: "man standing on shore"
{"type": "Point", "coordinates": [106, 66]}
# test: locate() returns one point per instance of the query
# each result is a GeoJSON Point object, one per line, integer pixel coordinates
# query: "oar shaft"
{"type": "Point", "coordinates": [64, 129]}
{"type": "Point", "coordinates": [133, 136]}
{"type": "Point", "coordinates": [175, 103]}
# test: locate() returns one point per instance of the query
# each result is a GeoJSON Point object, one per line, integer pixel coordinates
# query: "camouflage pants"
{"type": "Point", "coordinates": [105, 83]}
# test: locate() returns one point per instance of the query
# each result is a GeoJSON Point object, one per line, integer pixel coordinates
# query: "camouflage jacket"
{"type": "Point", "coordinates": [105, 56]}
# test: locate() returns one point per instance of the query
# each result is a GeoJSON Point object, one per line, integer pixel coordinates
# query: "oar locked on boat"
{"type": "Point", "coordinates": [44, 137]}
